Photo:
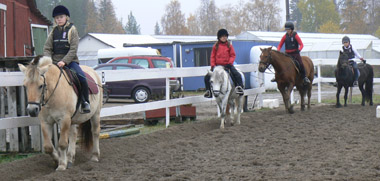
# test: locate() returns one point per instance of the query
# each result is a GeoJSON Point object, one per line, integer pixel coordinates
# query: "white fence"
{"type": "Point", "coordinates": [16, 79]}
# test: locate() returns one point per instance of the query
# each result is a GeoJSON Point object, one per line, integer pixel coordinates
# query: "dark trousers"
{"type": "Point", "coordinates": [82, 78]}
{"type": "Point", "coordinates": [297, 56]}
{"type": "Point", "coordinates": [356, 70]}
{"type": "Point", "coordinates": [235, 75]}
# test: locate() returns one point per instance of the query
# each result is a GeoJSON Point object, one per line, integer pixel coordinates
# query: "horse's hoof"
{"type": "Point", "coordinates": [345, 105]}
{"type": "Point", "coordinates": [371, 104]}
{"type": "Point", "coordinates": [95, 159]}
{"type": "Point", "coordinates": [61, 167]}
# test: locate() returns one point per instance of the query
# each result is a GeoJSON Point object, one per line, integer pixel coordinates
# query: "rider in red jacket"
{"type": "Point", "coordinates": [293, 47]}
{"type": "Point", "coordinates": [223, 53]}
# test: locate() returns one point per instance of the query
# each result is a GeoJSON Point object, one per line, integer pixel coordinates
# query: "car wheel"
{"type": "Point", "coordinates": [141, 94]}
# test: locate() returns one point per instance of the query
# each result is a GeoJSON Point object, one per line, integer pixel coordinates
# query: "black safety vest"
{"type": "Point", "coordinates": [290, 41]}
{"type": "Point", "coordinates": [349, 52]}
{"type": "Point", "coordinates": [60, 40]}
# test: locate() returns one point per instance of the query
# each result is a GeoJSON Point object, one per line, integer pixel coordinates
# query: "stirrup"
{"type": "Point", "coordinates": [239, 90]}
{"type": "Point", "coordinates": [86, 108]}
{"type": "Point", "coordinates": [207, 94]}
{"type": "Point", "coordinates": [306, 80]}
{"type": "Point", "coordinates": [355, 83]}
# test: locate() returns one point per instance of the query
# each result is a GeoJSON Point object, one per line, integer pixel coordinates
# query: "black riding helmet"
{"type": "Point", "coordinates": [289, 25]}
{"type": "Point", "coordinates": [222, 32]}
{"type": "Point", "coordinates": [345, 39]}
{"type": "Point", "coordinates": [59, 10]}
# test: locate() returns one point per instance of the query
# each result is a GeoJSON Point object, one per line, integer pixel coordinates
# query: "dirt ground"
{"type": "Point", "coordinates": [324, 143]}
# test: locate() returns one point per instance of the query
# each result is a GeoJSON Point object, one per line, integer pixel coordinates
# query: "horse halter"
{"type": "Point", "coordinates": [42, 99]}
{"type": "Point", "coordinates": [268, 61]}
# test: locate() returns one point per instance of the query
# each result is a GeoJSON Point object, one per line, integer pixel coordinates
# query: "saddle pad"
{"type": "Point", "coordinates": [92, 87]}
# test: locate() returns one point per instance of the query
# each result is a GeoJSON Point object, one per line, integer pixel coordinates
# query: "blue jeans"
{"type": "Point", "coordinates": [356, 70]}
{"type": "Point", "coordinates": [75, 66]}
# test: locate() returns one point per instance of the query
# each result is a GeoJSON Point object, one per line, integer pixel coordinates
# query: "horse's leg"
{"type": "Point", "coordinates": [239, 108]}
{"type": "Point", "coordinates": [95, 129]}
{"type": "Point", "coordinates": [302, 94]}
{"type": "Point", "coordinates": [47, 132]}
{"type": "Point", "coordinates": [222, 108]}
{"type": "Point", "coordinates": [363, 93]}
{"type": "Point", "coordinates": [337, 96]}
{"type": "Point", "coordinates": [309, 96]}
{"type": "Point", "coordinates": [346, 88]}
{"type": "Point", "coordinates": [72, 143]}
{"type": "Point", "coordinates": [63, 142]}
{"type": "Point", "coordinates": [285, 98]}
{"type": "Point", "coordinates": [232, 111]}
{"type": "Point", "coordinates": [288, 91]}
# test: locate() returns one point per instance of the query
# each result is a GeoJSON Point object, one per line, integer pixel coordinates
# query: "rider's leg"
{"type": "Point", "coordinates": [208, 86]}
{"type": "Point", "coordinates": [238, 80]}
{"type": "Point", "coordinates": [84, 86]}
{"type": "Point", "coordinates": [356, 72]}
{"type": "Point", "coordinates": [302, 68]}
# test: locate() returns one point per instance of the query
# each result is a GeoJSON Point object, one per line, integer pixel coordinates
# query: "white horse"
{"type": "Point", "coordinates": [224, 93]}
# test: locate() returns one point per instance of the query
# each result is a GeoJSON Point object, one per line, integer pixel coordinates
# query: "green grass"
{"type": "Point", "coordinates": [9, 157]}
{"type": "Point", "coordinates": [356, 99]}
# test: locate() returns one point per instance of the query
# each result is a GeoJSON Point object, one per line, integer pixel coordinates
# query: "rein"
{"type": "Point", "coordinates": [42, 100]}
{"type": "Point", "coordinates": [269, 62]}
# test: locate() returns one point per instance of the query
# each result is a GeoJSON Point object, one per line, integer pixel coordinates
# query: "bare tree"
{"type": "Point", "coordinates": [354, 16]}
{"type": "Point", "coordinates": [173, 21]}
{"type": "Point", "coordinates": [193, 25]}
{"type": "Point", "coordinates": [208, 17]}
{"type": "Point", "coordinates": [262, 15]}
{"type": "Point", "coordinates": [232, 18]}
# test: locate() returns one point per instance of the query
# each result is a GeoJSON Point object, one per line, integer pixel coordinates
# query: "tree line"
{"type": "Point", "coordinates": [91, 16]}
{"type": "Point", "coordinates": [323, 16]}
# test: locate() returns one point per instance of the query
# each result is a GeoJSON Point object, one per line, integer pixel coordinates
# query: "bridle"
{"type": "Point", "coordinates": [44, 89]}
{"type": "Point", "coordinates": [268, 61]}
{"type": "Point", "coordinates": [221, 87]}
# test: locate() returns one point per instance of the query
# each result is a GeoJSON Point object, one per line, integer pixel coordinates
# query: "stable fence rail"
{"type": "Point", "coordinates": [12, 79]}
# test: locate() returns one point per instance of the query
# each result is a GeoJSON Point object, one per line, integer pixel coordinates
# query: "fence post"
{"type": "Point", "coordinates": [3, 132]}
{"type": "Point", "coordinates": [167, 95]}
{"type": "Point", "coordinates": [12, 112]}
{"type": "Point", "coordinates": [25, 144]}
{"type": "Point", "coordinates": [319, 83]}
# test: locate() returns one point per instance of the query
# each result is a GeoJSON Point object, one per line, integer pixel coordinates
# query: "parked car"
{"type": "Point", "coordinates": [150, 61]}
{"type": "Point", "coordinates": [139, 90]}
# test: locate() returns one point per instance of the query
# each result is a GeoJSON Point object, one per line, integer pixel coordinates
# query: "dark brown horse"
{"type": "Point", "coordinates": [288, 76]}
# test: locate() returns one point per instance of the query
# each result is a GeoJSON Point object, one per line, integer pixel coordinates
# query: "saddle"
{"type": "Point", "coordinates": [73, 79]}
{"type": "Point", "coordinates": [297, 64]}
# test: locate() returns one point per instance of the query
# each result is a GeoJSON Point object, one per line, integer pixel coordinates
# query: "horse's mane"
{"type": "Point", "coordinates": [282, 53]}
{"type": "Point", "coordinates": [218, 72]}
{"type": "Point", "coordinates": [33, 72]}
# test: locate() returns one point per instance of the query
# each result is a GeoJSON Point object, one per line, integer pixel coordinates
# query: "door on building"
{"type": "Point", "coordinates": [202, 56]}
{"type": "Point", "coordinates": [39, 35]}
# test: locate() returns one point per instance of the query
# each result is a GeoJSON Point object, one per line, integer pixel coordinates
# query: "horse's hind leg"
{"type": "Point", "coordinates": [72, 143]}
{"type": "Point", "coordinates": [363, 93]}
{"type": "Point", "coordinates": [95, 129]}
{"type": "Point", "coordinates": [232, 111]}
{"type": "Point", "coordinates": [345, 95]}
{"type": "Point", "coordinates": [302, 94]}
{"type": "Point", "coordinates": [309, 96]}
{"type": "Point", "coordinates": [239, 108]}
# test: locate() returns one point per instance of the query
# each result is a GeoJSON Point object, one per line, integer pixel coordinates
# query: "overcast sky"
{"type": "Point", "coordinates": [148, 12]}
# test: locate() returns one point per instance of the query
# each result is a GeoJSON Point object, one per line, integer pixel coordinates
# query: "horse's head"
{"type": "Point", "coordinates": [265, 58]}
{"type": "Point", "coordinates": [343, 60]}
{"type": "Point", "coordinates": [218, 80]}
{"type": "Point", "coordinates": [35, 82]}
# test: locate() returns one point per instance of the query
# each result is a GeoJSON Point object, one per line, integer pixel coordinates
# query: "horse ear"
{"type": "Point", "coordinates": [261, 49]}
{"type": "Point", "coordinates": [44, 69]}
{"type": "Point", "coordinates": [270, 48]}
{"type": "Point", "coordinates": [22, 68]}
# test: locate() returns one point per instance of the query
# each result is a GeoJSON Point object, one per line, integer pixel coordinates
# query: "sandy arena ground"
{"type": "Point", "coordinates": [324, 143]}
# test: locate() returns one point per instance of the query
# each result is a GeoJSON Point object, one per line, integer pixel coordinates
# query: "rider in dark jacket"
{"type": "Point", "coordinates": [352, 53]}
{"type": "Point", "coordinates": [293, 47]}
{"type": "Point", "coordinates": [62, 46]}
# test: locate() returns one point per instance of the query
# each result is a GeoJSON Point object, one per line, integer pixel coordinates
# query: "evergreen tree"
{"type": "Point", "coordinates": [107, 18]}
{"type": "Point", "coordinates": [157, 30]}
{"type": "Point", "coordinates": [132, 27]}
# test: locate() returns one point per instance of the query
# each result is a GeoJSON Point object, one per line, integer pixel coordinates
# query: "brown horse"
{"type": "Point", "coordinates": [53, 100]}
{"type": "Point", "coordinates": [287, 75]}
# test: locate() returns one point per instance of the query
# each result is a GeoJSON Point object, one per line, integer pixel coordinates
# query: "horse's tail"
{"type": "Point", "coordinates": [369, 84]}
{"type": "Point", "coordinates": [86, 135]}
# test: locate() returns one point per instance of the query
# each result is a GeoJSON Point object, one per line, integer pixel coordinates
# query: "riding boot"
{"type": "Point", "coordinates": [208, 93]}
{"type": "Point", "coordinates": [303, 75]}
{"type": "Point", "coordinates": [86, 108]}
{"type": "Point", "coordinates": [356, 76]}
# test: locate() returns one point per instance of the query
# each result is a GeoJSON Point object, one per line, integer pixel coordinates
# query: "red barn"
{"type": "Point", "coordinates": [23, 29]}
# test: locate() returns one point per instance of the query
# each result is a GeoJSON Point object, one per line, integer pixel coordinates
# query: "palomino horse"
{"type": "Point", "coordinates": [345, 77]}
{"type": "Point", "coordinates": [224, 93]}
{"type": "Point", "coordinates": [287, 75]}
{"type": "Point", "coordinates": [53, 100]}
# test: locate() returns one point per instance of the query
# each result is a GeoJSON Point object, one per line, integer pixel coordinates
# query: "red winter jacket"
{"type": "Point", "coordinates": [223, 56]}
